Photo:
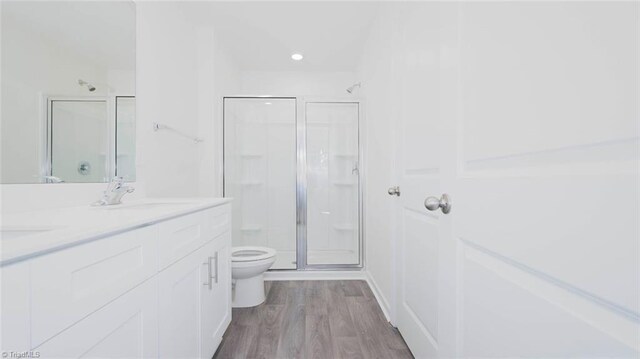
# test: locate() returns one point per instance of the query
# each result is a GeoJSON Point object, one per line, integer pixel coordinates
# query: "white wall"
{"type": "Point", "coordinates": [222, 78]}
{"type": "Point", "coordinates": [182, 73]}
{"type": "Point", "coordinates": [296, 83]}
{"type": "Point", "coordinates": [167, 93]}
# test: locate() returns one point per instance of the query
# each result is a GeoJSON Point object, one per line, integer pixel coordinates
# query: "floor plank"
{"type": "Point", "coordinates": [369, 327]}
{"type": "Point", "coordinates": [318, 342]}
{"type": "Point", "coordinates": [316, 298]}
{"type": "Point", "coordinates": [313, 319]}
{"type": "Point", "coordinates": [348, 348]}
{"type": "Point", "coordinates": [265, 344]}
{"type": "Point", "coordinates": [351, 288]}
{"type": "Point", "coordinates": [339, 316]}
{"type": "Point", "coordinates": [292, 334]}
{"type": "Point", "coordinates": [277, 293]}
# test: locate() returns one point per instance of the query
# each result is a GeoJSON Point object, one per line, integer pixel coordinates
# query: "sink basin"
{"type": "Point", "coordinates": [18, 231]}
{"type": "Point", "coordinates": [142, 206]}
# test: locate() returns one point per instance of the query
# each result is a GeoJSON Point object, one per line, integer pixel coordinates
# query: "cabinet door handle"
{"type": "Point", "coordinates": [216, 259]}
{"type": "Point", "coordinates": [208, 264]}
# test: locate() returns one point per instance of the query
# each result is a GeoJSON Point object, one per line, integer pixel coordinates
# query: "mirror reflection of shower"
{"type": "Point", "coordinates": [89, 86]}
{"type": "Point", "coordinates": [353, 87]}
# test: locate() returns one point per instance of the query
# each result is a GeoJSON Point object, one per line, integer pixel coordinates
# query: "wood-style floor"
{"type": "Point", "coordinates": [313, 319]}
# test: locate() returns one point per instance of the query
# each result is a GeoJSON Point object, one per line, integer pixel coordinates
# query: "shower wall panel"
{"type": "Point", "coordinates": [333, 172]}
{"type": "Point", "coordinates": [260, 173]}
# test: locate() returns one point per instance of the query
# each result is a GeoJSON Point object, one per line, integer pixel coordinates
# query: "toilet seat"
{"type": "Point", "coordinates": [248, 266]}
{"type": "Point", "coordinates": [251, 254]}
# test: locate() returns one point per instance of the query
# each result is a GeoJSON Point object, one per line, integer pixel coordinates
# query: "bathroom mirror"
{"type": "Point", "coordinates": [68, 91]}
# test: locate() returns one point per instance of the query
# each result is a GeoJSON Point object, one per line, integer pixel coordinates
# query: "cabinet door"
{"type": "Point", "coordinates": [181, 288]}
{"type": "Point", "coordinates": [124, 328]}
{"type": "Point", "coordinates": [14, 308]}
{"type": "Point", "coordinates": [216, 302]}
{"type": "Point", "coordinates": [68, 285]}
{"type": "Point", "coordinates": [181, 236]}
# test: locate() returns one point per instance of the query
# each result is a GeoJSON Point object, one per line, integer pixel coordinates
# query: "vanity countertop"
{"type": "Point", "coordinates": [33, 233]}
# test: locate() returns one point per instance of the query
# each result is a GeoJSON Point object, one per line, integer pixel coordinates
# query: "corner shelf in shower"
{"type": "Point", "coordinates": [258, 123]}
{"type": "Point", "coordinates": [251, 183]}
{"type": "Point", "coordinates": [344, 183]}
{"type": "Point", "coordinates": [345, 155]}
{"type": "Point", "coordinates": [251, 229]}
{"type": "Point", "coordinates": [343, 228]}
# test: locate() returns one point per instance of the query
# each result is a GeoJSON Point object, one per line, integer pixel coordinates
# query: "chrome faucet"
{"type": "Point", "coordinates": [52, 179]}
{"type": "Point", "coordinates": [114, 192]}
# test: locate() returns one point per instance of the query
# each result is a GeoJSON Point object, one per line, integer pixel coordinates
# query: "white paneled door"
{"type": "Point", "coordinates": [533, 132]}
{"type": "Point", "coordinates": [426, 263]}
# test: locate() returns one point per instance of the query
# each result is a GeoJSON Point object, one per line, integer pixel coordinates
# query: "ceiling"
{"type": "Point", "coordinates": [260, 35]}
{"type": "Point", "coordinates": [102, 32]}
{"type": "Point", "coordinates": [263, 35]}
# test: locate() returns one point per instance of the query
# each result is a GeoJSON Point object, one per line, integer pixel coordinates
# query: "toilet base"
{"type": "Point", "coordinates": [248, 292]}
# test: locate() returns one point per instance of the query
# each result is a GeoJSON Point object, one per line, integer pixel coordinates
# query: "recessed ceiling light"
{"type": "Point", "coordinates": [296, 57]}
{"type": "Point", "coordinates": [267, 103]}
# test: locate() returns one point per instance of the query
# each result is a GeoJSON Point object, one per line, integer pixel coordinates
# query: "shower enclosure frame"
{"type": "Point", "coordinates": [301, 178]}
{"type": "Point", "coordinates": [46, 133]}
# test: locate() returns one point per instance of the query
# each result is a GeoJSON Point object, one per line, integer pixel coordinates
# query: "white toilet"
{"type": "Point", "coordinates": [248, 265]}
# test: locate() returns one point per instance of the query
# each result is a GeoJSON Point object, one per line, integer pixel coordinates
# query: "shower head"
{"type": "Point", "coordinates": [90, 87]}
{"type": "Point", "coordinates": [352, 87]}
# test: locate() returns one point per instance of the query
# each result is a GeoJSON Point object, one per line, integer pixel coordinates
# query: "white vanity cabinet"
{"type": "Point", "coordinates": [219, 315]}
{"type": "Point", "coordinates": [124, 328]}
{"type": "Point", "coordinates": [68, 285]}
{"type": "Point", "coordinates": [159, 290]}
{"type": "Point", "coordinates": [194, 302]}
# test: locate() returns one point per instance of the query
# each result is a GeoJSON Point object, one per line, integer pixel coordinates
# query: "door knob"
{"type": "Point", "coordinates": [394, 191]}
{"type": "Point", "coordinates": [433, 203]}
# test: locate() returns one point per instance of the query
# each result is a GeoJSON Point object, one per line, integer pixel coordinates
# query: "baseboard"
{"type": "Point", "coordinates": [382, 301]}
{"type": "Point", "coordinates": [314, 275]}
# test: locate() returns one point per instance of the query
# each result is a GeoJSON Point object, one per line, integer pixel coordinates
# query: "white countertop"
{"type": "Point", "coordinates": [69, 226]}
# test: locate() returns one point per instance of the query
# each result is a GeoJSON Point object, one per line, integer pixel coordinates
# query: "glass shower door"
{"type": "Point", "coordinates": [86, 158]}
{"type": "Point", "coordinates": [332, 180]}
{"type": "Point", "coordinates": [260, 173]}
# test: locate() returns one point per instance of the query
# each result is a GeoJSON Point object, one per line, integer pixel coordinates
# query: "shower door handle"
{"type": "Point", "coordinates": [355, 169]}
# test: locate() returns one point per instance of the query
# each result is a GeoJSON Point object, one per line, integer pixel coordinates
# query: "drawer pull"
{"type": "Point", "coordinates": [210, 277]}
{"type": "Point", "coordinates": [216, 259]}
{"type": "Point", "coordinates": [208, 264]}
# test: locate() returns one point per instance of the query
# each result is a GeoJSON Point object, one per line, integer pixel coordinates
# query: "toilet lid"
{"type": "Point", "coordinates": [248, 254]}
